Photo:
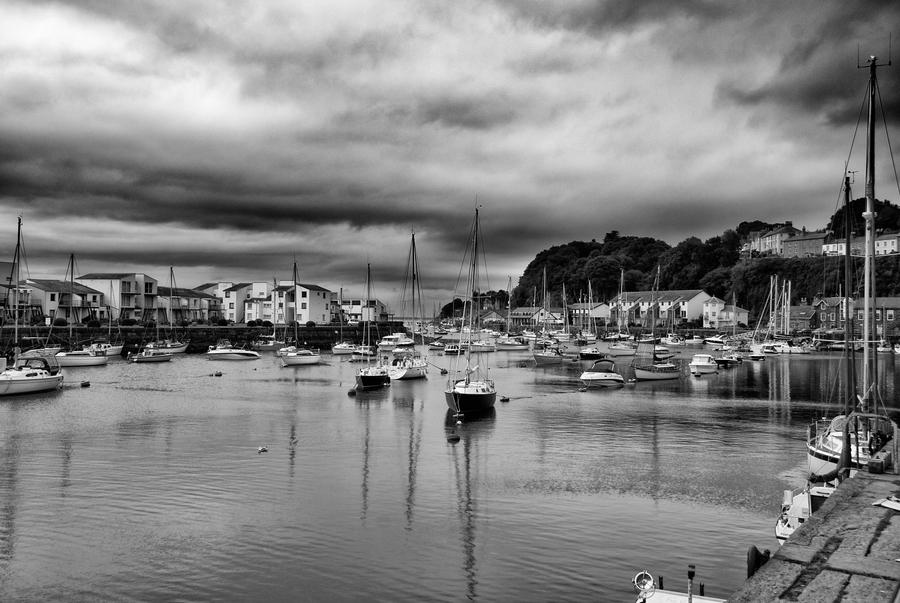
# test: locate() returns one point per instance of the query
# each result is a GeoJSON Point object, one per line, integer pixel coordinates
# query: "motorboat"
{"type": "Point", "coordinates": [389, 342]}
{"type": "Point", "coordinates": [509, 344]}
{"type": "Point", "coordinates": [81, 358]}
{"type": "Point", "coordinates": [602, 374]}
{"type": "Point", "coordinates": [225, 351]}
{"type": "Point", "coordinates": [150, 355]}
{"type": "Point", "coordinates": [110, 349]}
{"type": "Point", "coordinates": [267, 343]}
{"type": "Point", "coordinates": [593, 353]}
{"type": "Point", "coordinates": [661, 352]}
{"type": "Point", "coordinates": [300, 356]}
{"type": "Point", "coordinates": [343, 348]}
{"type": "Point", "coordinates": [168, 345]}
{"type": "Point", "coordinates": [728, 360]}
{"type": "Point", "coordinates": [715, 340]}
{"type": "Point", "coordinates": [548, 357]}
{"type": "Point", "coordinates": [703, 364]}
{"type": "Point", "coordinates": [621, 349]}
{"type": "Point", "coordinates": [30, 373]}
{"type": "Point", "coordinates": [797, 506]}
{"type": "Point", "coordinates": [656, 371]}
{"type": "Point", "coordinates": [482, 346]}
{"type": "Point", "coordinates": [409, 366]}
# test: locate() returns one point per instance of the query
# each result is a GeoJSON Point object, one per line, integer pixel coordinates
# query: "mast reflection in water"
{"type": "Point", "coordinates": [149, 485]}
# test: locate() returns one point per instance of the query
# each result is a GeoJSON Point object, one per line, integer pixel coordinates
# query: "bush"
{"type": "Point", "coordinates": [310, 324]}
{"type": "Point", "coordinates": [251, 323]}
{"type": "Point", "coordinates": [267, 324]}
{"type": "Point", "coordinates": [183, 323]}
{"type": "Point", "coordinates": [128, 322]}
{"type": "Point", "coordinates": [222, 322]}
{"type": "Point", "coordinates": [150, 324]}
{"type": "Point", "coordinates": [93, 324]}
{"type": "Point", "coordinates": [60, 322]}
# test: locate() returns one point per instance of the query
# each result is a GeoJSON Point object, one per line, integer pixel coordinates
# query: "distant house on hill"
{"type": "Point", "coordinates": [805, 244]}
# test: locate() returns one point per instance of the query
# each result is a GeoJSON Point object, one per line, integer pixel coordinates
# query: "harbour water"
{"type": "Point", "coordinates": [148, 484]}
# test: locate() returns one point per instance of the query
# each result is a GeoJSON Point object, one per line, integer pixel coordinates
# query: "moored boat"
{"type": "Point", "coordinates": [703, 364]}
{"type": "Point", "coordinates": [602, 373]}
{"type": "Point", "coordinates": [151, 355]}
{"type": "Point", "coordinates": [300, 356]}
{"type": "Point", "coordinates": [225, 351]}
{"type": "Point", "coordinates": [81, 358]}
{"type": "Point", "coordinates": [30, 374]}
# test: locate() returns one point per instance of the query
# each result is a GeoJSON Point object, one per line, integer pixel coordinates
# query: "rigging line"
{"type": "Point", "coordinates": [888, 137]}
{"type": "Point", "coordinates": [859, 118]}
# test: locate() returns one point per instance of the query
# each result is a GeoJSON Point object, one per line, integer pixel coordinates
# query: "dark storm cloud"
{"type": "Point", "coordinates": [815, 75]}
{"type": "Point", "coordinates": [610, 15]}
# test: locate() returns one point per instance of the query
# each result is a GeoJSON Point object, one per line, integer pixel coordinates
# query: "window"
{"type": "Point", "coordinates": [303, 294]}
{"type": "Point", "coordinates": [53, 297]}
{"type": "Point", "coordinates": [231, 306]}
{"type": "Point", "coordinates": [831, 316]}
{"type": "Point", "coordinates": [148, 288]}
{"type": "Point", "coordinates": [303, 306]}
{"type": "Point", "coordinates": [228, 294]}
{"type": "Point", "coordinates": [877, 314]}
{"type": "Point", "coordinates": [859, 315]}
{"type": "Point", "coordinates": [890, 314]}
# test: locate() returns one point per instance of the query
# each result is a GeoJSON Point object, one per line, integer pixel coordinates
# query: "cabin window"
{"type": "Point", "coordinates": [877, 314]}
{"type": "Point", "coordinates": [890, 314]}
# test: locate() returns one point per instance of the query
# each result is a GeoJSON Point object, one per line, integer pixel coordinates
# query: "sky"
{"type": "Point", "coordinates": [228, 139]}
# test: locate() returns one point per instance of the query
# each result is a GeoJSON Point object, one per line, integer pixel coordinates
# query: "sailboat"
{"type": "Point", "coordinates": [371, 376]}
{"type": "Point", "coordinates": [551, 354]}
{"type": "Point", "coordinates": [85, 356]}
{"type": "Point", "coordinates": [854, 439]}
{"type": "Point", "coordinates": [851, 439]}
{"type": "Point", "coordinates": [109, 347]}
{"type": "Point", "coordinates": [646, 366]}
{"type": "Point", "coordinates": [508, 343]}
{"type": "Point", "coordinates": [342, 347]}
{"type": "Point", "coordinates": [297, 355]}
{"type": "Point", "coordinates": [470, 390]}
{"type": "Point", "coordinates": [620, 346]}
{"type": "Point", "coordinates": [170, 344]}
{"type": "Point", "coordinates": [28, 373]}
{"type": "Point", "coordinates": [411, 364]}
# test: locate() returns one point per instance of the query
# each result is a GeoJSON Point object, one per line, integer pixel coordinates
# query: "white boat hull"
{"type": "Point", "coordinates": [407, 372]}
{"type": "Point", "coordinates": [73, 359]}
{"type": "Point", "coordinates": [14, 382]}
{"type": "Point", "coordinates": [602, 379]}
{"type": "Point", "coordinates": [232, 355]}
{"type": "Point", "coordinates": [655, 374]}
{"type": "Point", "coordinates": [294, 359]}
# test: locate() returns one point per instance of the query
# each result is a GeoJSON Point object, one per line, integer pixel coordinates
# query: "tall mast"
{"type": "Point", "coordinates": [869, 217]}
{"type": "Point", "coordinates": [17, 276]}
{"type": "Point", "coordinates": [848, 304]}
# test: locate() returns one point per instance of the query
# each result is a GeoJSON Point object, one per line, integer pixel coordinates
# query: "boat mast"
{"type": "Point", "coordinates": [473, 284]}
{"type": "Point", "coordinates": [17, 276]}
{"type": "Point", "coordinates": [849, 347]}
{"type": "Point", "coordinates": [869, 217]}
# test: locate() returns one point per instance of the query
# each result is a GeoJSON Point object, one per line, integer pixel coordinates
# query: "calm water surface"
{"type": "Point", "coordinates": [147, 485]}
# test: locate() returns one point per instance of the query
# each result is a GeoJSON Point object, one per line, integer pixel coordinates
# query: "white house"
{"type": "Point", "coordinates": [673, 307]}
{"type": "Point", "coordinates": [353, 310]}
{"type": "Point", "coordinates": [234, 297]}
{"type": "Point", "coordinates": [128, 295]}
{"type": "Point", "coordinates": [719, 315]}
{"type": "Point", "coordinates": [63, 299]}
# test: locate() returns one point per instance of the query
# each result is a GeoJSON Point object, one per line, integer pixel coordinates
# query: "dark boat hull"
{"type": "Point", "coordinates": [467, 403]}
{"type": "Point", "coordinates": [367, 382]}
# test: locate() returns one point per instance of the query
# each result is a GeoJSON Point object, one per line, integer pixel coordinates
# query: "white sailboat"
{"type": "Point", "coordinates": [470, 390]}
{"type": "Point", "coordinates": [171, 344]}
{"type": "Point", "coordinates": [74, 357]}
{"type": "Point", "coordinates": [29, 373]}
{"type": "Point", "coordinates": [850, 440]}
{"type": "Point", "coordinates": [296, 355]}
{"type": "Point", "coordinates": [508, 343]}
{"type": "Point", "coordinates": [411, 364]}
{"type": "Point", "coordinates": [647, 367]}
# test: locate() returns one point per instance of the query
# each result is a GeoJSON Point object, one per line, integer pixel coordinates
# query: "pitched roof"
{"type": "Point", "coordinates": [110, 275]}
{"type": "Point", "coordinates": [239, 286]}
{"type": "Point", "coordinates": [182, 292]}
{"type": "Point", "coordinates": [61, 286]}
{"type": "Point", "coordinates": [661, 296]}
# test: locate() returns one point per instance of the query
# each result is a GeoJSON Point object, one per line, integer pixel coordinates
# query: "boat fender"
{"type": "Point", "coordinates": [504, 398]}
{"type": "Point", "coordinates": [756, 559]}
{"type": "Point", "coordinates": [351, 392]}
{"type": "Point", "coordinates": [85, 384]}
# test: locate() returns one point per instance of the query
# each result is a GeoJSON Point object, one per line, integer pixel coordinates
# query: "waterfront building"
{"type": "Point", "coordinates": [355, 310]}
{"type": "Point", "coordinates": [803, 318]}
{"type": "Point", "coordinates": [583, 313]}
{"type": "Point", "coordinates": [127, 295]}
{"type": "Point", "coordinates": [672, 307]}
{"type": "Point", "coordinates": [772, 241]}
{"type": "Point", "coordinates": [75, 302]}
{"type": "Point", "coordinates": [717, 314]}
{"type": "Point", "coordinates": [187, 305]}
{"type": "Point", "coordinates": [233, 298]}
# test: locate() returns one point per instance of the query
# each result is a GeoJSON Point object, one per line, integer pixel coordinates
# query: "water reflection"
{"type": "Point", "coordinates": [471, 434]}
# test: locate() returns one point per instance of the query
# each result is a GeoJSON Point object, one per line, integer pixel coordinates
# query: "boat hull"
{"type": "Point", "coordinates": [174, 347]}
{"type": "Point", "coordinates": [150, 358]}
{"type": "Point", "coordinates": [468, 400]}
{"type": "Point", "coordinates": [643, 373]}
{"type": "Point", "coordinates": [596, 379]}
{"type": "Point", "coordinates": [232, 355]}
{"type": "Point", "coordinates": [66, 360]}
{"type": "Point", "coordinates": [293, 359]}
{"type": "Point", "coordinates": [371, 379]}
{"type": "Point", "coordinates": [14, 385]}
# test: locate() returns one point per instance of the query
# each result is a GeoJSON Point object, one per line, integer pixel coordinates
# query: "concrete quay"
{"type": "Point", "coordinates": [848, 550]}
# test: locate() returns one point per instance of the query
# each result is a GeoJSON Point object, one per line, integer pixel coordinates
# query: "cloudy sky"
{"type": "Point", "coordinates": [227, 138]}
